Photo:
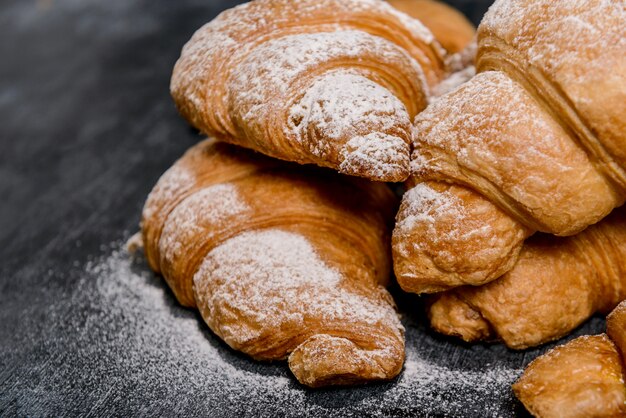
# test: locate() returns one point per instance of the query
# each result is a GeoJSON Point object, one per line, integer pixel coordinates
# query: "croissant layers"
{"type": "Point", "coordinates": [583, 378]}
{"type": "Point", "coordinates": [535, 142]}
{"type": "Point", "coordinates": [282, 261]}
{"type": "Point", "coordinates": [334, 83]}
{"type": "Point", "coordinates": [556, 284]}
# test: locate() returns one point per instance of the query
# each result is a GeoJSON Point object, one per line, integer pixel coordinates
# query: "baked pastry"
{"type": "Point", "coordinates": [282, 261]}
{"type": "Point", "coordinates": [535, 142]}
{"type": "Point", "coordinates": [583, 378]}
{"type": "Point", "coordinates": [449, 26]}
{"type": "Point", "coordinates": [556, 284]}
{"type": "Point", "coordinates": [329, 82]}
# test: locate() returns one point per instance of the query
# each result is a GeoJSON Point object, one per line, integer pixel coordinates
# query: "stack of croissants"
{"type": "Point", "coordinates": [509, 144]}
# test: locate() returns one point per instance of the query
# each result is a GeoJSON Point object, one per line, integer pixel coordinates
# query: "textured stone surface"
{"type": "Point", "coordinates": [87, 128]}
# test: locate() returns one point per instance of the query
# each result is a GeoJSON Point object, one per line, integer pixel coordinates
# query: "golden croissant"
{"type": "Point", "coordinates": [556, 284]}
{"type": "Point", "coordinates": [535, 142]}
{"type": "Point", "coordinates": [281, 261]}
{"type": "Point", "coordinates": [329, 82]}
{"type": "Point", "coordinates": [583, 378]}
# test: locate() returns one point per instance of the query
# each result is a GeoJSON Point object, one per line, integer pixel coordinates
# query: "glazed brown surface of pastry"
{"type": "Point", "coordinates": [534, 142]}
{"type": "Point", "coordinates": [334, 83]}
{"type": "Point", "coordinates": [283, 262]}
{"type": "Point", "coordinates": [583, 378]}
{"type": "Point", "coordinates": [556, 284]}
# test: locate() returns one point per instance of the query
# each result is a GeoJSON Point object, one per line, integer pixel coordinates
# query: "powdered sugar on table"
{"type": "Point", "coordinates": [161, 343]}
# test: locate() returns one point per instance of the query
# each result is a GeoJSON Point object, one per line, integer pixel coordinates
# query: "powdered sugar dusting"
{"type": "Point", "coordinates": [196, 214]}
{"type": "Point", "coordinates": [520, 149]}
{"type": "Point", "coordinates": [384, 155]}
{"type": "Point", "coordinates": [337, 105]}
{"type": "Point", "coordinates": [275, 65]}
{"type": "Point", "coordinates": [254, 16]}
{"type": "Point", "coordinates": [154, 340]}
{"type": "Point", "coordinates": [235, 70]}
{"type": "Point", "coordinates": [275, 280]}
{"type": "Point", "coordinates": [228, 37]}
{"type": "Point", "coordinates": [343, 104]}
{"type": "Point", "coordinates": [157, 341]}
{"type": "Point", "coordinates": [348, 114]}
{"type": "Point", "coordinates": [461, 67]}
{"type": "Point", "coordinates": [577, 52]}
{"type": "Point", "coordinates": [447, 236]}
{"type": "Point", "coordinates": [178, 178]}
{"type": "Point", "coordinates": [566, 41]}
{"type": "Point", "coordinates": [443, 220]}
{"type": "Point", "coordinates": [424, 206]}
{"type": "Point", "coordinates": [475, 134]}
{"type": "Point", "coordinates": [201, 50]}
{"type": "Point", "coordinates": [415, 26]}
{"type": "Point", "coordinates": [381, 154]}
{"type": "Point", "coordinates": [438, 381]}
{"type": "Point", "coordinates": [462, 59]}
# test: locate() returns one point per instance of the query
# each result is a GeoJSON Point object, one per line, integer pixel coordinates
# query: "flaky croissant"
{"type": "Point", "coordinates": [282, 261]}
{"type": "Point", "coordinates": [583, 378]}
{"type": "Point", "coordinates": [535, 142]}
{"type": "Point", "coordinates": [329, 82]}
{"type": "Point", "coordinates": [556, 284]}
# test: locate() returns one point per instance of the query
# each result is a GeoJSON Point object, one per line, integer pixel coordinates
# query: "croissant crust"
{"type": "Point", "coordinates": [583, 378]}
{"type": "Point", "coordinates": [534, 142]}
{"type": "Point", "coordinates": [281, 262]}
{"type": "Point", "coordinates": [334, 83]}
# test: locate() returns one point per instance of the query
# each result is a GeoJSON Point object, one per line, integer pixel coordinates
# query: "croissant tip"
{"type": "Point", "coordinates": [451, 315]}
{"type": "Point", "coordinates": [324, 360]}
{"type": "Point", "coordinates": [376, 156]}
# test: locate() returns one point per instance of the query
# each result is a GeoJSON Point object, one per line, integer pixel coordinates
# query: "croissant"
{"type": "Point", "coordinates": [535, 142]}
{"type": "Point", "coordinates": [556, 285]}
{"type": "Point", "coordinates": [329, 82]}
{"type": "Point", "coordinates": [282, 262]}
{"type": "Point", "coordinates": [583, 378]}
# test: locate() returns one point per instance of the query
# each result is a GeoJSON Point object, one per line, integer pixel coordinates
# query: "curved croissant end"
{"type": "Point", "coordinates": [556, 285]}
{"type": "Point", "coordinates": [334, 83]}
{"type": "Point", "coordinates": [535, 135]}
{"type": "Point", "coordinates": [584, 377]}
{"type": "Point", "coordinates": [280, 260]}
{"type": "Point", "coordinates": [616, 328]}
{"type": "Point", "coordinates": [324, 359]}
{"type": "Point", "coordinates": [448, 236]}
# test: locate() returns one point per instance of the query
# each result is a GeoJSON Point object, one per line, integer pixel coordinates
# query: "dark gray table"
{"type": "Point", "coordinates": [87, 126]}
